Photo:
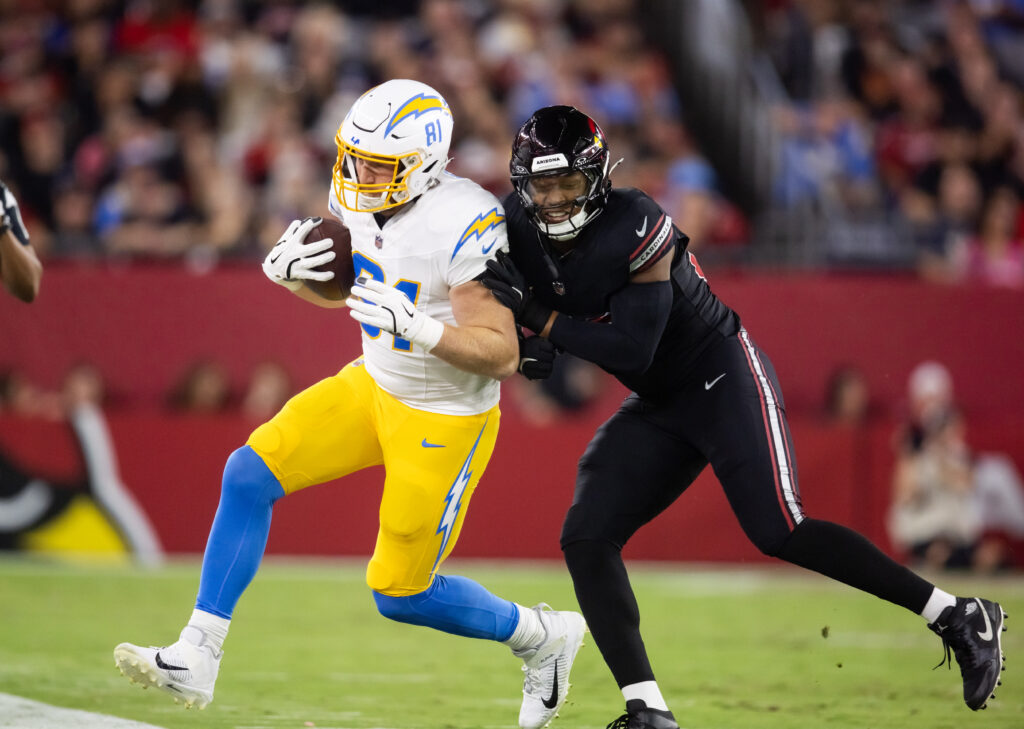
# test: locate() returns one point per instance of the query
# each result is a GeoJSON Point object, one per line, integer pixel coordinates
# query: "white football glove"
{"type": "Point", "coordinates": [379, 305]}
{"type": "Point", "coordinates": [292, 259]}
{"type": "Point", "coordinates": [10, 216]}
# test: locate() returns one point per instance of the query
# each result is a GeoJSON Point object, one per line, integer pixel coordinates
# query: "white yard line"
{"type": "Point", "coordinates": [19, 713]}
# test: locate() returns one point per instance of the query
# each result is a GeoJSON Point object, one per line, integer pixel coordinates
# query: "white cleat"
{"type": "Point", "coordinates": [547, 667]}
{"type": "Point", "coordinates": [187, 669]}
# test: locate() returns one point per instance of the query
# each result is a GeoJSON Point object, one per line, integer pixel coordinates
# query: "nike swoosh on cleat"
{"type": "Point", "coordinates": [987, 634]}
{"type": "Point", "coordinates": [425, 444]}
{"type": "Point", "coordinates": [553, 701]}
{"type": "Point", "coordinates": [168, 667]}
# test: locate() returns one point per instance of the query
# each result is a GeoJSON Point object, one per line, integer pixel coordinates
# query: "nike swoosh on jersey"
{"type": "Point", "coordinates": [425, 444]}
{"type": "Point", "coordinates": [643, 229]}
{"type": "Point", "coordinates": [552, 700]}
{"type": "Point", "coordinates": [487, 249]}
{"type": "Point", "coordinates": [709, 385]}
{"type": "Point", "coordinates": [987, 633]}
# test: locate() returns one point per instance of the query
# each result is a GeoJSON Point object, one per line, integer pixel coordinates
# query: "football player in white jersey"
{"type": "Point", "coordinates": [422, 401]}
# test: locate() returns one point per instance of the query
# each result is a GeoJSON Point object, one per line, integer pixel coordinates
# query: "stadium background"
{"type": "Point", "coordinates": [834, 163]}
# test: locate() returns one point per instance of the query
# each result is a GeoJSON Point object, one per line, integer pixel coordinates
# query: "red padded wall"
{"type": "Point", "coordinates": [173, 466]}
{"type": "Point", "coordinates": [143, 326]}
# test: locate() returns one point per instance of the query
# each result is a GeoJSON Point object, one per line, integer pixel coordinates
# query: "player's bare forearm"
{"type": "Point", "coordinates": [20, 268]}
{"type": "Point", "coordinates": [480, 350]}
{"type": "Point", "coordinates": [484, 340]}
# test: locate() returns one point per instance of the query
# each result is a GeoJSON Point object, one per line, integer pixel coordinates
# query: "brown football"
{"type": "Point", "coordinates": [338, 287]}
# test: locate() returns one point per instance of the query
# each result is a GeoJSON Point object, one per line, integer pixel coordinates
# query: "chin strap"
{"type": "Point", "coordinates": [575, 225]}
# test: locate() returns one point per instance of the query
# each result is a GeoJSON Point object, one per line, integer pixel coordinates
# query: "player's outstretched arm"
{"type": "Point", "coordinates": [627, 344]}
{"type": "Point", "coordinates": [20, 269]}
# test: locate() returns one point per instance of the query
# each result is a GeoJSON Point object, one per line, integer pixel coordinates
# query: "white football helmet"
{"type": "Point", "coordinates": [402, 124]}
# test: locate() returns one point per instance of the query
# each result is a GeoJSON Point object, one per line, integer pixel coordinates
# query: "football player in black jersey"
{"type": "Point", "coordinates": [604, 274]}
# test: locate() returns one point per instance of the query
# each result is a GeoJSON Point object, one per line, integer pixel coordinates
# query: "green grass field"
{"type": "Point", "coordinates": [733, 649]}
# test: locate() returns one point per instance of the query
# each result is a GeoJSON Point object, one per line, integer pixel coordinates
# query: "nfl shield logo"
{"type": "Point", "coordinates": [378, 241]}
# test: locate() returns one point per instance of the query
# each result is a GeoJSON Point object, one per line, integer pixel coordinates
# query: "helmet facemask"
{"type": "Point", "coordinates": [587, 205]}
{"type": "Point", "coordinates": [377, 196]}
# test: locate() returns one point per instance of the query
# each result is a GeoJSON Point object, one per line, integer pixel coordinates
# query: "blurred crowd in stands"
{"type": "Point", "coordinates": [196, 130]}
{"type": "Point", "coordinates": [913, 108]}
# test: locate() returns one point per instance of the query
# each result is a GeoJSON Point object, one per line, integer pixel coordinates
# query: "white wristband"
{"type": "Point", "coordinates": [428, 334]}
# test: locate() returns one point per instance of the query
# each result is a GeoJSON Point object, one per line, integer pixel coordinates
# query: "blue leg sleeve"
{"type": "Point", "coordinates": [239, 533]}
{"type": "Point", "coordinates": [455, 605]}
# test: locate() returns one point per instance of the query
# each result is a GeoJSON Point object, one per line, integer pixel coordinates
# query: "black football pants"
{"type": "Point", "coordinates": [729, 413]}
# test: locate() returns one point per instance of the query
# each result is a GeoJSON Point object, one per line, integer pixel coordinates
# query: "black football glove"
{"type": "Point", "coordinates": [510, 288]}
{"type": "Point", "coordinates": [536, 357]}
{"type": "Point", "coordinates": [10, 216]}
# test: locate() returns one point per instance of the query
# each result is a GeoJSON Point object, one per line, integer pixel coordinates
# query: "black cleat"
{"type": "Point", "coordinates": [973, 629]}
{"type": "Point", "coordinates": [638, 716]}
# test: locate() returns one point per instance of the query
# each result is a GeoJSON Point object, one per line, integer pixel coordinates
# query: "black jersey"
{"type": "Point", "coordinates": [630, 235]}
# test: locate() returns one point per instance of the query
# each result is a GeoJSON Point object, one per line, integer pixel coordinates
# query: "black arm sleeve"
{"type": "Point", "coordinates": [627, 344]}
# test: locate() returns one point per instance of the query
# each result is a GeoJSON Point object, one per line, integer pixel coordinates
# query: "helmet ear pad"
{"type": "Point", "coordinates": [557, 140]}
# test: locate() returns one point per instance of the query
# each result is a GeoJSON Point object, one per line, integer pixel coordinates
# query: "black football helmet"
{"type": "Point", "coordinates": [554, 141]}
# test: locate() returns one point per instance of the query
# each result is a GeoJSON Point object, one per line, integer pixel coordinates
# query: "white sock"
{"type": "Point", "coordinates": [529, 632]}
{"type": "Point", "coordinates": [938, 602]}
{"type": "Point", "coordinates": [646, 691]}
{"type": "Point", "coordinates": [214, 626]}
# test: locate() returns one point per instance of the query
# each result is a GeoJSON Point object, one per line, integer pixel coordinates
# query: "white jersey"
{"type": "Point", "coordinates": [443, 239]}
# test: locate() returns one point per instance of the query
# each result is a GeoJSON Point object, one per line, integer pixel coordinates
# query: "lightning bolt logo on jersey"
{"type": "Point", "coordinates": [479, 228]}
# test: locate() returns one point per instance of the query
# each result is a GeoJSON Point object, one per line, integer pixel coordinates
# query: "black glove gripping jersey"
{"type": "Point", "coordinates": [630, 235]}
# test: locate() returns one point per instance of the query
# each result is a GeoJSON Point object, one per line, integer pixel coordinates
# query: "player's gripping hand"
{"type": "Point", "coordinates": [10, 216]}
{"type": "Point", "coordinates": [509, 287]}
{"type": "Point", "coordinates": [378, 305]}
{"type": "Point", "coordinates": [292, 259]}
{"type": "Point", "coordinates": [536, 357]}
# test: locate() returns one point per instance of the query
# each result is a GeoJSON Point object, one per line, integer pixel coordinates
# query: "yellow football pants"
{"type": "Point", "coordinates": [432, 465]}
